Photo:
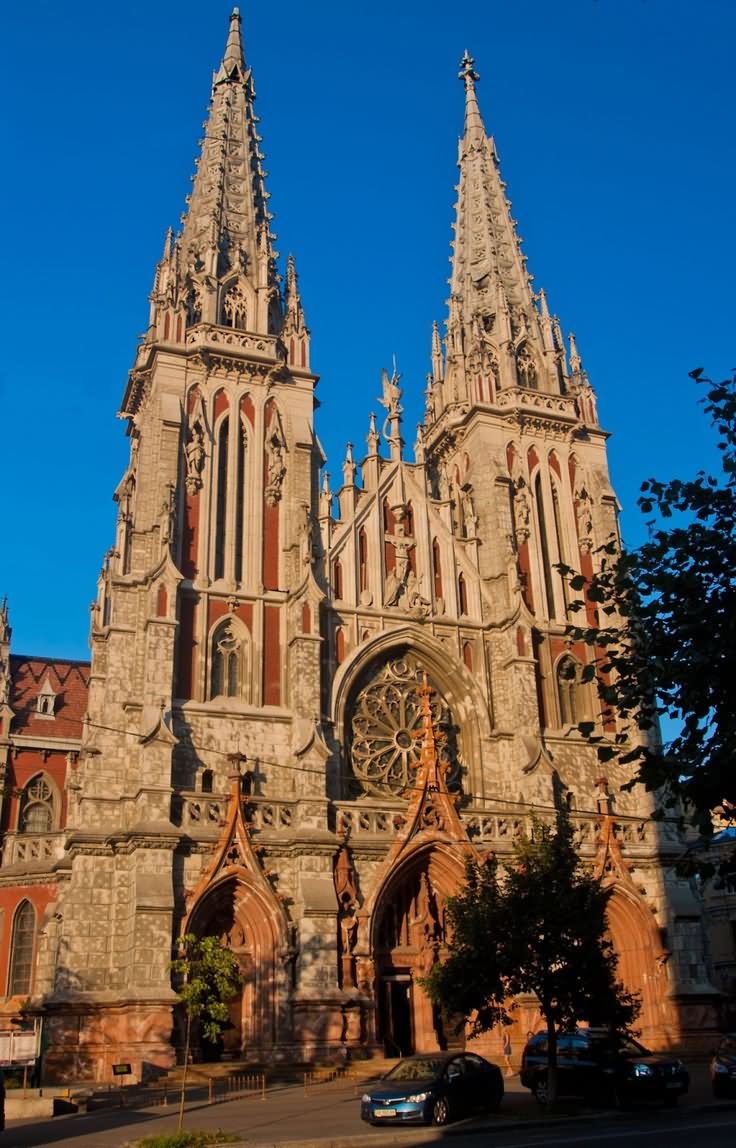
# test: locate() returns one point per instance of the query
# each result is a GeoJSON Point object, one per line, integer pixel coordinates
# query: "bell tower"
{"type": "Point", "coordinates": [205, 632]}
{"type": "Point", "coordinates": [511, 434]}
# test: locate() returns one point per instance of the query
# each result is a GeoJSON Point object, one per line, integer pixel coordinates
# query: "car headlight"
{"type": "Point", "coordinates": [417, 1097]}
{"type": "Point", "coordinates": [642, 1070]}
{"type": "Point", "coordinates": [366, 1098]}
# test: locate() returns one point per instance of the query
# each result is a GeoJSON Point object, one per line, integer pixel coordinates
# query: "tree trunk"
{"type": "Point", "coordinates": [184, 1073]}
{"type": "Point", "coordinates": [551, 1063]}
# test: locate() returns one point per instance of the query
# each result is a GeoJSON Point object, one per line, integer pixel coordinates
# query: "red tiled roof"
{"type": "Point", "coordinates": [69, 681]}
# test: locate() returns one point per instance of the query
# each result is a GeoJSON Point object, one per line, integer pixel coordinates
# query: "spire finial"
{"type": "Point", "coordinates": [473, 121]}
{"type": "Point", "coordinates": [233, 57]}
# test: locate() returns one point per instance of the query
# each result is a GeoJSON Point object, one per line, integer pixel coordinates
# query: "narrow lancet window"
{"type": "Point", "coordinates": [221, 498]}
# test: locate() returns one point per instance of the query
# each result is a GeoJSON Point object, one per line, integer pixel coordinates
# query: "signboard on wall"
{"type": "Point", "coordinates": [17, 1047]}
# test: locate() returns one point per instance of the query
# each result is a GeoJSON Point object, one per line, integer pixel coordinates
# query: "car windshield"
{"type": "Point", "coordinates": [623, 1044]}
{"type": "Point", "coordinates": [419, 1069]}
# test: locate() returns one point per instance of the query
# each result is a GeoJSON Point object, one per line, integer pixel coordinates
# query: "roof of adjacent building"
{"type": "Point", "coordinates": [69, 682]}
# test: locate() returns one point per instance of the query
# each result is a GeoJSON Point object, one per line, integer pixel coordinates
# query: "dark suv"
{"type": "Point", "coordinates": [603, 1067]}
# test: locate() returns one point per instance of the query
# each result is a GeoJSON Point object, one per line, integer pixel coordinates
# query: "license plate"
{"type": "Point", "coordinates": [384, 1112]}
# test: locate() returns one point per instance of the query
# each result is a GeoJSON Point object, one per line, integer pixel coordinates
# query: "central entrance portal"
{"type": "Point", "coordinates": [408, 937]}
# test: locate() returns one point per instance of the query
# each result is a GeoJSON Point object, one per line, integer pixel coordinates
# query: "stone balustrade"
{"type": "Point", "coordinates": [32, 848]}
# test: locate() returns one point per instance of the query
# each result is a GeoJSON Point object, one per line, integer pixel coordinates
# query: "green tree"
{"type": "Point", "coordinates": [210, 978]}
{"type": "Point", "coordinates": [665, 636]}
{"type": "Point", "coordinates": [540, 928]}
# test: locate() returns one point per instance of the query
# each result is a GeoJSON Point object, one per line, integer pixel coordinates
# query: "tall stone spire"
{"type": "Point", "coordinates": [227, 221]}
{"type": "Point", "coordinates": [221, 269]}
{"type": "Point", "coordinates": [494, 336]}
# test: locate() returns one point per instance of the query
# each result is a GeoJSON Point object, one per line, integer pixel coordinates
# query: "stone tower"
{"type": "Point", "coordinates": [307, 708]}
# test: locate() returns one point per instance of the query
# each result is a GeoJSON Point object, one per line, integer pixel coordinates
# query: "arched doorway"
{"type": "Point", "coordinates": [237, 913]}
{"type": "Point", "coordinates": [641, 966]}
{"type": "Point", "coordinates": [408, 936]}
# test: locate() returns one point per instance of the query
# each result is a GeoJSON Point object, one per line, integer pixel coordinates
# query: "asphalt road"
{"type": "Point", "coordinates": [330, 1116]}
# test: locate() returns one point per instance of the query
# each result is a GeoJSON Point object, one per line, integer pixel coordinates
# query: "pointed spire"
{"type": "Point", "coordinates": [474, 128]}
{"type": "Point", "coordinates": [233, 60]}
{"type": "Point", "coordinates": [372, 438]}
{"type": "Point", "coordinates": [575, 361]}
{"type": "Point", "coordinates": [348, 467]}
{"type": "Point", "coordinates": [226, 229]}
{"type": "Point", "coordinates": [5, 636]}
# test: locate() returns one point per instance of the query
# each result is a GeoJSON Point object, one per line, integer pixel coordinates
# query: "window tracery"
{"type": "Point", "coordinates": [37, 807]}
{"type": "Point", "coordinates": [235, 308]}
{"type": "Point", "coordinates": [526, 368]}
{"type": "Point", "coordinates": [385, 723]}
{"type": "Point", "coordinates": [229, 662]}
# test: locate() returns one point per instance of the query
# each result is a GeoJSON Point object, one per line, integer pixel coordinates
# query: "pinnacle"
{"type": "Point", "coordinates": [474, 128]}
{"type": "Point", "coordinates": [233, 58]}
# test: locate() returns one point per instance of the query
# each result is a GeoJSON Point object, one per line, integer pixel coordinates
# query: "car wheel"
{"type": "Point", "coordinates": [540, 1090]}
{"type": "Point", "coordinates": [441, 1111]}
{"type": "Point", "coordinates": [493, 1103]}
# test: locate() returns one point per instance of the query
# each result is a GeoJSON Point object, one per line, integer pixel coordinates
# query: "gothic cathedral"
{"type": "Point", "coordinates": [305, 706]}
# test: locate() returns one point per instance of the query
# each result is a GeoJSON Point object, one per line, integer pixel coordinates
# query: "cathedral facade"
{"type": "Point", "coordinates": [306, 706]}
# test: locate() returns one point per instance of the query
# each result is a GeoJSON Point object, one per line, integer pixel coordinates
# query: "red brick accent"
{"type": "Point", "coordinates": [162, 601]}
{"type": "Point", "coordinates": [271, 656]}
{"type": "Point", "coordinates": [532, 459]}
{"type": "Point", "coordinates": [247, 408]}
{"type": "Point", "coordinates": [306, 619]}
{"type": "Point", "coordinates": [221, 404]}
{"type": "Point", "coordinates": [10, 898]}
{"type": "Point", "coordinates": [187, 647]}
{"type": "Point", "coordinates": [554, 463]}
{"type": "Point", "coordinates": [468, 655]}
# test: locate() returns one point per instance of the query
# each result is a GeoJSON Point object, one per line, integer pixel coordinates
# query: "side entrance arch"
{"type": "Point", "coordinates": [236, 913]}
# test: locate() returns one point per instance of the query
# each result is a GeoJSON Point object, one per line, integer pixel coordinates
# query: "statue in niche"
{"type": "Point", "coordinates": [194, 454]}
{"type": "Point", "coordinates": [522, 509]}
{"type": "Point", "coordinates": [467, 511]}
{"type": "Point", "coordinates": [275, 462]}
{"type": "Point", "coordinates": [584, 516]}
{"type": "Point", "coordinates": [168, 514]}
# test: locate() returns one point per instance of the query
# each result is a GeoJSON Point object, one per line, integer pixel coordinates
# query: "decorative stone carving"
{"type": "Point", "coordinates": [275, 461]}
{"type": "Point", "coordinates": [195, 454]}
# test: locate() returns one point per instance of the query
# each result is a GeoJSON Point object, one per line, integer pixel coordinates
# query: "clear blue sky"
{"type": "Point", "coordinates": [615, 124]}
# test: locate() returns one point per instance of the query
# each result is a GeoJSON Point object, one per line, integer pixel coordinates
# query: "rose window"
{"type": "Point", "coordinates": [385, 730]}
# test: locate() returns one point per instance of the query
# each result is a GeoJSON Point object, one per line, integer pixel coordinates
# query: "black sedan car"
{"type": "Point", "coordinates": [723, 1067]}
{"type": "Point", "coordinates": [433, 1089]}
{"type": "Point", "coordinates": [607, 1068]}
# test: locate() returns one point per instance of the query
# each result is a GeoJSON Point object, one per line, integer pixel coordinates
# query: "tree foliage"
{"type": "Point", "coordinates": [210, 978]}
{"type": "Point", "coordinates": [665, 633]}
{"type": "Point", "coordinates": [539, 928]}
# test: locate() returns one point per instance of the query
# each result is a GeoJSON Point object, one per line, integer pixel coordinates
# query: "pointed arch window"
{"type": "Point", "coordinates": [437, 568]}
{"type": "Point", "coordinates": [557, 515]}
{"type": "Point", "coordinates": [337, 580]}
{"type": "Point", "coordinates": [21, 950]}
{"type": "Point", "coordinates": [363, 559]}
{"type": "Point", "coordinates": [228, 662]}
{"type": "Point", "coordinates": [235, 308]}
{"type": "Point", "coordinates": [223, 437]}
{"type": "Point", "coordinates": [544, 547]}
{"type": "Point", "coordinates": [240, 491]}
{"type": "Point", "coordinates": [36, 807]}
{"type": "Point", "coordinates": [462, 595]}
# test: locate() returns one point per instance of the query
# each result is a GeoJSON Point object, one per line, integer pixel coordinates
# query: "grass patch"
{"type": "Point", "coordinates": [186, 1140]}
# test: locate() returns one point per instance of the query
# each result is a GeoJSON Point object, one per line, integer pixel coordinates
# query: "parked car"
{"type": "Point", "coordinates": [723, 1067]}
{"type": "Point", "coordinates": [433, 1089]}
{"type": "Point", "coordinates": [604, 1067]}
